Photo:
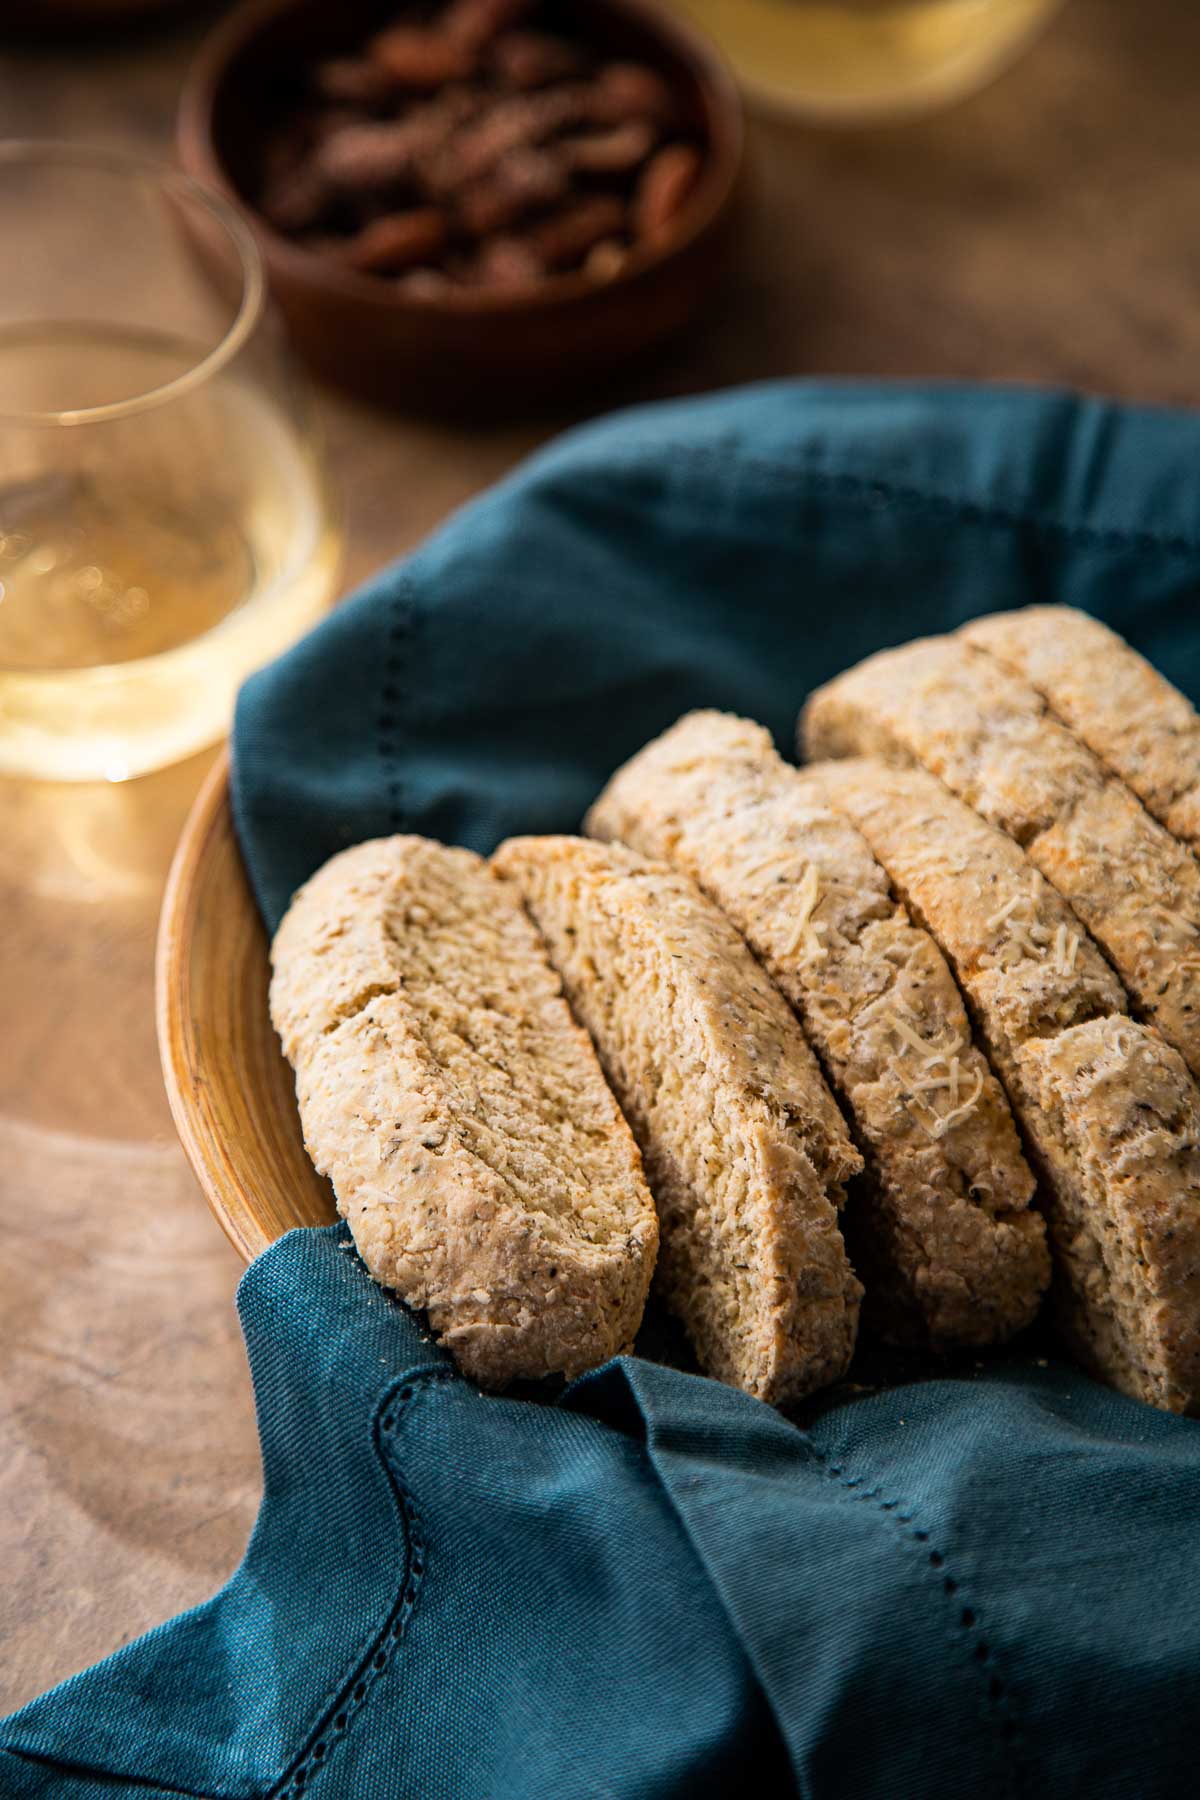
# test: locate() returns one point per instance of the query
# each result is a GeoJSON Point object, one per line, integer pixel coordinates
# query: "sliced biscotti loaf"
{"type": "Point", "coordinates": [1146, 731]}
{"type": "Point", "coordinates": [941, 1233]}
{"type": "Point", "coordinates": [745, 1149]}
{"type": "Point", "coordinates": [460, 1112]}
{"type": "Point", "coordinates": [1110, 1113]}
{"type": "Point", "coordinates": [991, 739]}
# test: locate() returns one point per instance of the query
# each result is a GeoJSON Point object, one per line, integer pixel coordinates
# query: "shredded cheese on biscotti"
{"type": "Point", "coordinates": [997, 919]}
{"type": "Point", "coordinates": [1066, 949]}
{"type": "Point", "coordinates": [774, 864]}
{"type": "Point", "coordinates": [959, 1113]}
{"type": "Point", "coordinates": [907, 1033]}
{"type": "Point", "coordinates": [808, 932]}
{"type": "Point", "coordinates": [926, 1082]}
{"type": "Point", "coordinates": [1023, 939]}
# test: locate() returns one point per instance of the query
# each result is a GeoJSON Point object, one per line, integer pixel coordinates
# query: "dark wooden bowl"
{"type": "Point", "coordinates": [472, 348]}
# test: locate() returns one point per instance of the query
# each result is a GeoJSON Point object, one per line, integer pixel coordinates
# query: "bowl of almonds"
{"type": "Point", "coordinates": [474, 203]}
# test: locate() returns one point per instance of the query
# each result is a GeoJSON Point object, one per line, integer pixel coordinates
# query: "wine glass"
{"type": "Point", "coordinates": [847, 61]}
{"type": "Point", "coordinates": [165, 523]}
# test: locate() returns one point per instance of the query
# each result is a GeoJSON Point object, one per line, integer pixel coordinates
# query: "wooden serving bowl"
{"type": "Point", "coordinates": [474, 349]}
{"type": "Point", "coordinates": [231, 1090]}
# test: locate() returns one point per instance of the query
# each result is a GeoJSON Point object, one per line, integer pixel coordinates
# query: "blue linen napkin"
{"type": "Point", "coordinates": [986, 1583]}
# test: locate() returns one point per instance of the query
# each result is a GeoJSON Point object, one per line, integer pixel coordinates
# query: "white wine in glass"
{"type": "Point", "coordinates": [855, 60]}
{"type": "Point", "coordinates": [165, 526]}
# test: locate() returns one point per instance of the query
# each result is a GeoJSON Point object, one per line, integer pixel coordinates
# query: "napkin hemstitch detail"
{"type": "Point", "coordinates": [353, 1695]}
{"type": "Point", "coordinates": [397, 658]}
{"type": "Point", "coordinates": [998, 1692]}
{"type": "Point", "coordinates": [876, 491]}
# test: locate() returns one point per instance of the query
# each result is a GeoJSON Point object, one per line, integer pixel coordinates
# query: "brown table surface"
{"type": "Point", "coordinates": [1043, 231]}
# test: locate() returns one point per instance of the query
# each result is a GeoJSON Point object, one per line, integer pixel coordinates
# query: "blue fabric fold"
{"type": "Point", "coordinates": [445, 1596]}
{"type": "Point", "coordinates": [984, 1582]}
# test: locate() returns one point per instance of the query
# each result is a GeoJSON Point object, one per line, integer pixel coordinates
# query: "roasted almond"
{"type": "Point", "coordinates": [397, 241]}
{"type": "Point", "coordinates": [628, 90]}
{"type": "Point", "coordinates": [606, 260]}
{"type": "Point", "coordinates": [521, 121]}
{"type": "Point", "coordinates": [618, 151]}
{"type": "Point", "coordinates": [421, 58]}
{"type": "Point", "coordinates": [366, 156]}
{"type": "Point", "coordinates": [663, 188]}
{"type": "Point", "coordinates": [379, 153]}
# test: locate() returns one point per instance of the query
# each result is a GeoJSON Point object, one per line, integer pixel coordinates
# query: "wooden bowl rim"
{"type": "Point", "coordinates": [308, 269]}
{"type": "Point", "coordinates": [203, 1146]}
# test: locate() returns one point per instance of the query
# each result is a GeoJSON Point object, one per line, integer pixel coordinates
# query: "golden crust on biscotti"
{"type": "Point", "coordinates": [474, 1146]}
{"type": "Point", "coordinates": [1116, 702]}
{"type": "Point", "coordinates": [941, 1234]}
{"type": "Point", "coordinates": [990, 737]}
{"type": "Point", "coordinates": [746, 1152]}
{"type": "Point", "coordinates": [1109, 1111]}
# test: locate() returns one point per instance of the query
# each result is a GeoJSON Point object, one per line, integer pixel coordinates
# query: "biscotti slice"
{"type": "Point", "coordinates": [1144, 729]}
{"type": "Point", "coordinates": [942, 1233]}
{"type": "Point", "coordinates": [745, 1149]}
{"type": "Point", "coordinates": [991, 739]}
{"type": "Point", "coordinates": [1128, 1114]}
{"type": "Point", "coordinates": [474, 1146]}
{"type": "Point", "coordinates": [1110, 1113]}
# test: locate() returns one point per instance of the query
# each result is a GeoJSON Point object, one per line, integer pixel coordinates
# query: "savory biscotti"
{"type": "Point", "coordinates": [1110, 1113]}
{"type": "Point", "coordinates": [745, 1149]}
{"type": "Point", "coordinates": [989, 736]}
{"type": "Point", "coordinates": [941, 1232]}
{"type": "Point", "coordinates": [1144, 729]}
{"type": "Point", "coordinates": [474, 1146]}
{"type": "Point", "coordinates": [1128, 1113]}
